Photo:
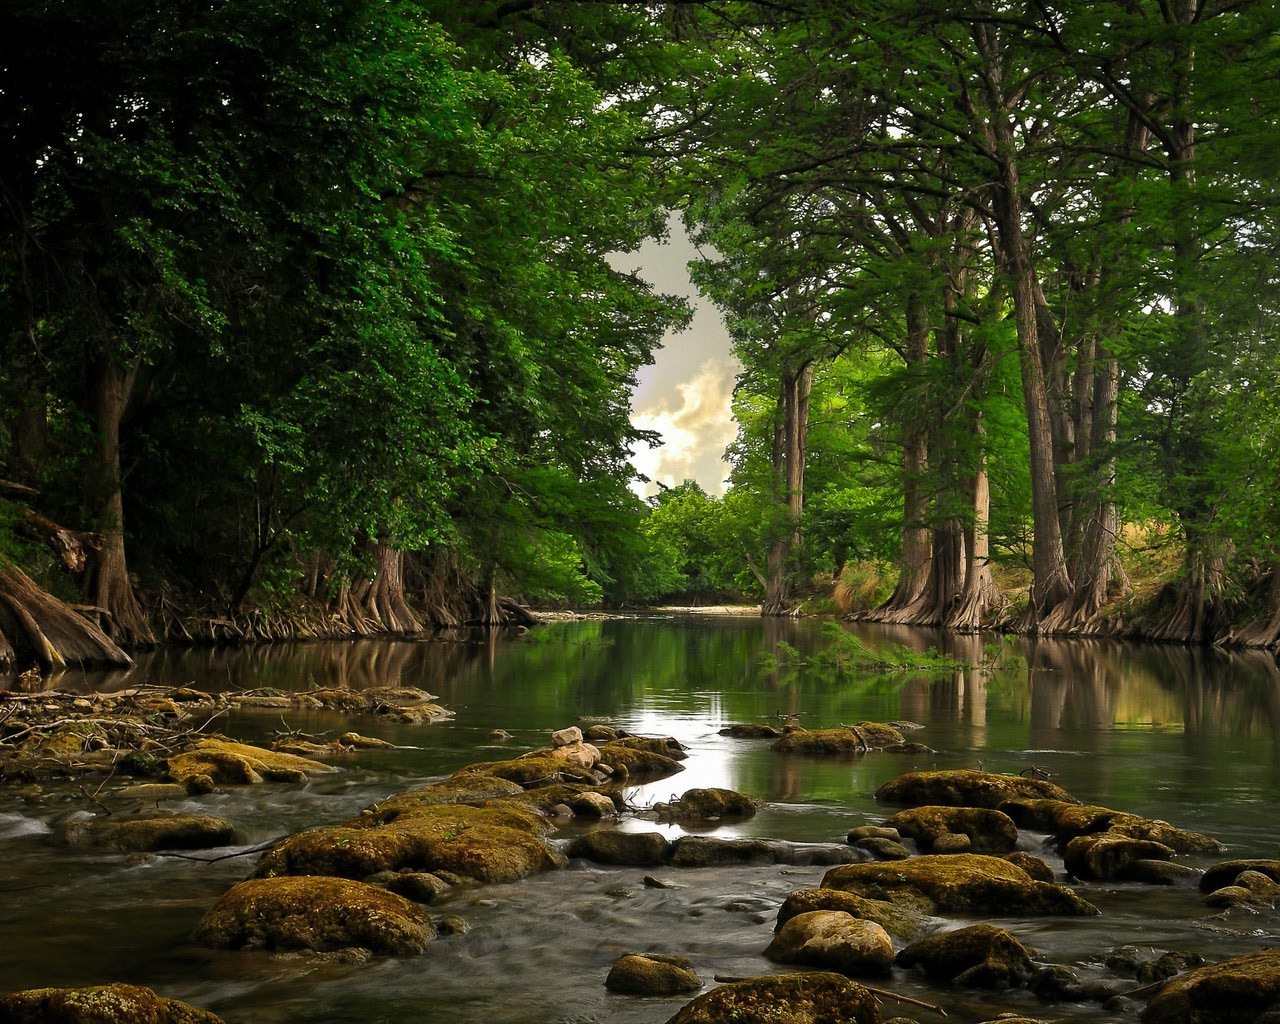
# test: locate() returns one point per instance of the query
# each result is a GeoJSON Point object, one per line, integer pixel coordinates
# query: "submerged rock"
{"type": "Point", "coordinates": [707, 804]}
{"type": "Point", "coordinates": [138, 835]}
{"type": "Point", "coordinates": [354, 739]}
{"type": "Point", "coordinates": [1236, 991]}
{"type": "Point", "coordinates": [959, 883]}
{"type": "Point", "coordinates": [988, 830]}
{"type": "Point", "coordinates": [314, 913]}
{"type": "Point", "coordinates": [835, 940]}
{"type": "Point", "coordinates": [899, 919]}
{"type": "Point", "coordinates": [812, 998]}
{"type": "Point", "coordinates": [873, 832]}
{"type": "Point", "coordinates": [623, 849]}
{"type": "Point", "coordinates": [751, 732]}
{"type": "Point", "coordinates": [707, 852]}
{"type": "Point", "coordinates": [652, 974]}
{"type": "Point", "coordinates": [1066, 820]}
{"type": "Point", "coordinates": [856, 739]}
{"type": "Point", "coordinates": [980, 956]}
{"type": "Point", "coordinates": [964, 788]}
{"type": "Point", "coordinates": [99, 1004]}
{"type": "Point", "coordinates": [222, 761]}
{"type": "Point", "coordinates": [882, 849]}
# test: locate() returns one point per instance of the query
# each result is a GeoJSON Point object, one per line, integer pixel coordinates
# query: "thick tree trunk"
{"type": "Point", "coordinates": [1264, 632]}
{"type": "Point", "coordinates": [383, 597]}
{"type": "Point", "coordinates": [789, 458]}
{"type": "Point", "coordinates": [1196, 601]}
{"type": "Point", "coordinates": [36, 627]}
{"type": "Point", "coordinates": [981, 599]}
{"type": "Point", "coordinates": [107, 584]}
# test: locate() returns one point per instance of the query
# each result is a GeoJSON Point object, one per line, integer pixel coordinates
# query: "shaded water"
{"type": "Point", "coordinates": [1189, 736]}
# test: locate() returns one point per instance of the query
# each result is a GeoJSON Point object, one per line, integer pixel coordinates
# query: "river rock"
{"type": "Point", "coordinates": [708, 852]}
{"type": "Point", "coordinates": [1158, 872]}
{"type": "Point", "coordinates": [593, 805]}
{"type": "Point", "coordinates": [99, 1004]}
{"type": "Point", "coordinates": [639, 762]}
{"type": "Point", "coordinates": [1067, 819]}
{"type": "Point", "coordinates": [212, 762]}
{"type": "Point", "coordinates": [601, 734]}
{"type": "Point", "coordinates": [708, 804]}
{"type": "Point", "coordinates": [566, 737]}
{"type": "Point", "coordinates": [153, 792]}
{"type": "Point", "coordinates": [817, 997]}
{"type": "Point", "coordinates": [843, 741]}
{"type": "Point", "coordinates": [1227, 872]}
{"type": "Point", "coordinates": [873, 832]}
{"type": "Point", "coordinates": [421, 714]}
{"type": "Point", "coordinates": [354, 739]}
{"type": "Point", "coordinates": [137, 835]}
{"type": "Point", "coordinates": [751, 732]}
{"type": "Point", "coordinates": [834, 940]}
{"type": "Point", "coordinates": [1236, 991]}
{"type": "Point", "coordinates": [964, 788]}
{"type": "Point", "coordinates": [586, 755]}
{"type": "Point", "coordinates": [314, 913]}
{"type": "Point", "coordinates": [882, 849]}
{"type": "Point", "coordinates": [952, 842]}
{"type": "Point", "coordinates": [1167, 965]}
{"type": "Point", "coordinates": [623, 849]}
{"type": "Point", "coordinates": [486, 844]}
{"type": "Point", "coordinates": [460, 789]}
{"type": "Point", "coordinates": [1034, 866]}
{"type": "Point", "coordinates": [652, 974]}
{"type": "Point", "coordinates": [980, 956]}
{"type": "Point", "coordinates": [1105, 855]}
{"type": "Point", "coordinates": [959, 883]}
{"type": "Point", "coordinates": [899, 919]}
{"type": "Point", "coordinates": [532, 772]}
{"type": "Point", "coordinates": [418, 886]}
{"type": "Point", "coordinates": [988, 831]}
{"type": "Point", "coordinates": [664, 746]}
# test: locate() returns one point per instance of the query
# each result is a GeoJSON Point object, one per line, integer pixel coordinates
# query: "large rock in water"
{"type": "Point", "coordinates": [652, 974]}
{"type": "Point", "coordinates": [154, 832]}
{"type": "Point", "coordinates": [1067, 820]}
{"type": "Point", "coordinates": [707, 804]}
{"type": "Point", "coordinates": [1236, 991]}
{"type": "Point", "coordinates": [100, 1004]}
{"type": "Point", "coordinates": [664, 746]}
{"type": "Point", "coordinates": [1109, 855]}
{"type": "Point", "coordinates": [834, 940]}
{"type": "Point", "coordinates": [221, 761]}
{"type": "Point", "coordinates": [816, 998]}
{"type": "Point", "coordinates": [1227, 872]}
{"type": "Point", "coordinates": [958, 883]}
{"type": "Point", "coordinates": [898, 919]}
{"type": "Point", "coordinates": [988, 831]}
{"type": "Point", "coordinates": [622, 849]}
{"type": "Point", "coordinates": [857, 739]}
{"type": "Point", "coordinates": [314, 913]}
{"type": "Point", "coordinates": [707, 852]}
{"type": "Point", "coordinates": [638, 761]}
{"type": "Point", "coordinates": [980, 956]}
{"type": "Point", "coordinates": [964, 788]}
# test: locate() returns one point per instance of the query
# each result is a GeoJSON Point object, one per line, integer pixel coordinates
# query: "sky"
{"type": "Point", "coordinates": [686, 394]}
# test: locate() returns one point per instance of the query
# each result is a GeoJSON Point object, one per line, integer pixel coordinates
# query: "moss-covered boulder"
{"type": "Point", "coordinates": [99, 1004]}
{"type": "Point", "coordinates": [1228, 871]}
{"type": "Point", "coordinates": [989, 831]}
{"type": "Point", "coordinates": [623, 849]}
{"type": "Point", "coordinates": [846, 740]}
{"type": "Point", "coordinates": [833, 940]}
{"type": "Point", "coordinates": [460, 789]}
{"type": "Point", "coordinates": [641, 763]}
{"type": "Point", "coordinates": [708, 852]}
{"type": "Point", "coordinates": [750, 731]}
{"type": "Point", "coordinates": [1034, 866]}
{"type": "Point", "coordinates": [652, 974]}
{"type": "Point", "coordinates": [155, 832]}
{"type": "Point", "coordinates": [1236, 991]}
{"type": "Point", "coordinates": [708, 804]}
{"type": "Point", "coordinates": [900, 919]}
{"type": "Point", "coordinates": [666, 746]}
{"type": "Point", "coordinates": [959, 883]}
{"type": "Point", "coordinates": [314, 913]}
{"type": "Point", "coordinates": [487, 844]}
{"type": "Point", "coordinates": [1106, 855]}
{"type": "Point", "coordinates": [1065, 821]}
{"type": "Point", "coordinates": [228, 763]}
{"type": "Point", "coordinates": [530, 772]}
{"type": "Point", "coordinates": [882, 849]}
{"type": "Point", "coordinates": [980, 956]}
{"type": "Point", "coordinates": [814, 998]}
{"type": "Point", "coordinates": [964, 788]}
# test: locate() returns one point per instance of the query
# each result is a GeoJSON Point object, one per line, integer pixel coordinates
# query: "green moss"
{"type": "Point", "coordinates": [811, 998]}
{"type": "Point", "coordinates": [1235, 991]}
{"type": "Point", "coordinates": [964, 788]}
{"type": "Point", "coordinates": [989, 831]}
{"type": "Point", "coordinates": [238, 763]}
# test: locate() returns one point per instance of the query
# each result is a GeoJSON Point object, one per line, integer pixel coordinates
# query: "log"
{"type": "Point", "coordinates": [72, 547]}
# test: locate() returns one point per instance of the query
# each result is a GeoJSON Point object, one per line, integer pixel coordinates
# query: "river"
{"type": "Point", "coordinates": [1190, 736]}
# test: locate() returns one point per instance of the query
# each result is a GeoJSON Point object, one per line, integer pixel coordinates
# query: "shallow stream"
{"type": "Point", "coordinates": [1189, 736]}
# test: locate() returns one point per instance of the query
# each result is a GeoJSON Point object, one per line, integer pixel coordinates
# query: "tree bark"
{"type": "Point", "coordinates": [981, 599]}
{"type": "Point", "coordinates": [789, 458]}
{"type": "Point", "coordinates": [107, 582]}
{"type": "Point", "coordinates": [383, 596]}
{"type": "Point", "coordinates": [36, 627]}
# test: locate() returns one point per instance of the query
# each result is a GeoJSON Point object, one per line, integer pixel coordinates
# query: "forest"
{"type": "Point", "coordinates": [312, 324]}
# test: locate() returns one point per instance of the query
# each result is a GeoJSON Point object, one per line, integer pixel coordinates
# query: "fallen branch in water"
{"type": "Point", "coordinates": [879, 993]}
{"type": "Point", "coordinates": [226, 856]}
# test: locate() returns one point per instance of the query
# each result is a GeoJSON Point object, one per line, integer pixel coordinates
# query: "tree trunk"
{"type": "Point", "coordinates": [107, 583]}
{"type": "Point", "coordinates": [789, 458]}
{"type": "Point", "coordinates": [981, 599]}
{"type": "Point", "coordinates": [1197, 609]}
{"type": "Point", "coordinates": [383, 597]}
{"type": "Point", "coordinates": [1265, 632]}
{"type": "Point", "coordinates": [36, 627]}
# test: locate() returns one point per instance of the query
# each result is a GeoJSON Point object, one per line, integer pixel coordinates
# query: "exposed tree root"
{"type": "Point", "coordinates": [36, 627]}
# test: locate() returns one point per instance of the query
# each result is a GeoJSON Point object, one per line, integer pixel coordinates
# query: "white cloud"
{"type": "Point", "coordinates": [694, 432]}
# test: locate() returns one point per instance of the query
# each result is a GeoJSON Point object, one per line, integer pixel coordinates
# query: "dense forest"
{"type": "Point", "coordinates": [311, 326]}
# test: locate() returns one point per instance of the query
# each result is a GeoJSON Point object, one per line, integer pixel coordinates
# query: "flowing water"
{"type": "Point", "coordinates": [1188, 736]}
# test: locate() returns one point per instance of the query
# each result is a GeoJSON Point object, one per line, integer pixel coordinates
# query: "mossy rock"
{"type": "Point", "coordinates": [989, 831]}
{"type": "Point", "coordinates": [964, 788]}
{"type": "Point", "coordinates": [751, 732]}
{"type": "Point", "coordinates": [882, 849]}
{"type": "Point", "coordinates": [460, 789]}
{"type": "Point", "coordinates": [137, 835]}
{"type": "Point", "coordinates": [1106, 855]}
{"type": "Point", "coordinates": [544, 798]}
{"type": "Point", "coordinates": [99, 1004]}
{"type": "Point", "coordinates": [487, 844]}
{"type": "Point", "coordinates": [980, 956]}
{"type": "Point", "coordinates": [639, 762]}
{"type": "Point", "coordinates": [818, 997]}
{"type": "Point", "coordinates": [1228, 871]}
{"type": "Point", "coordinates": [959, 883]}
{"type": "Point", "coordinates": [1034, 866]}
{"type": "Point", "coordinates": [833, 940]}
{"type": "Point", "coordinates": [1236, 991]}
{"type": "Point", "coordinates": [652, 974]}
{"type": "Point", "coordinates": [838, 742]}
{"type": "Point", "coordinates": [705, 804]}
{"type": "Point", "coordinates": [530, 772]}
{"type": "Point", "coordinates": [223, 761]}
{"type": "Point", "coordinates": [622, 849]}
{"type": "Point", "coordinates": [1066, 821]}
{"type": "Point", "coordinates": [314, 913]}
{"type": "Point", "coordinates": [709, 852]}
{"type": "Point", "coordinates": [899, 919]}
{"type": "Point", "coordinates": [666, 746]}
{"type": "Point", "coordinates": [421, 714]}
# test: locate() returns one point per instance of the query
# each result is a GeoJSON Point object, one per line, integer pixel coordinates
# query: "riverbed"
{"type": "Point", "coordinates": [1191, 736]}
